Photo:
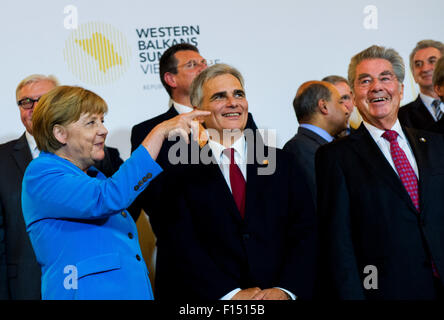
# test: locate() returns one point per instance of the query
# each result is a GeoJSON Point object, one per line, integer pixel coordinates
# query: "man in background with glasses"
{"type": "Point", "coordinates": [19, 270]}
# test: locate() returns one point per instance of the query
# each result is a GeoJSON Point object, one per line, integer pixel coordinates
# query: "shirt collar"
{"type": "Point", "coordinates": [31, 141]}
{"type": "Point", "coordinates": [427, 100]}
{"type": "Point", "coordinates": [239, 146]}
{"type": "Point", "coordinates": [377, 133]}
{"type": "Point", "coordinates": [180, 108]}
{"type": "Point", "coordinates": [319, 131]}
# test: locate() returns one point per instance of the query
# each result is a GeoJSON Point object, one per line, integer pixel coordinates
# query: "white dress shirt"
{"type": "Point", "coordinates": [384, 145]}
{"type": "Point", "coordinates": [180, 108]}
{"type": "Point", "coordinates": [240, 157]}
{"type": "Point", "coordinates": [223, 160]}
{"type": "Point", "coordinates": [32, 145]}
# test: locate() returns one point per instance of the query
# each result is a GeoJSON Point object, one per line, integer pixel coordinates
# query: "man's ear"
{"type": "Point", "coordinates": [402, 92]}
{"type": "Point", "coordinates": [60, 133]}
{"type": "Point", "coordinates": [322, 106]}
{"type": "Point", "coordinates": [439, 89]}
{"type": "Point", "coordinates": [170, 79]}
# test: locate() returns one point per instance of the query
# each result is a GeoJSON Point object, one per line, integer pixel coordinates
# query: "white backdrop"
{"type": "Point", "coordinates": [276, 45]}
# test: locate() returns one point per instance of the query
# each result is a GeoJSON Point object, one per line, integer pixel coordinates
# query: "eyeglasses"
{"type": "Point", "coordinates": [27, 103]}
{"type": "Point", "coordinates": [193, 64]}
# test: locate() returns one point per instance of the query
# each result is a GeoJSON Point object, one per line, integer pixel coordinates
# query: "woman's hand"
{"type": "Point", "coordinates": [179, 125]}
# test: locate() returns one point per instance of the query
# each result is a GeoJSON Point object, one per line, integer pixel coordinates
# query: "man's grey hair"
{"type": "Point", "coordinates": [35, 78]}
{"type": "Point", "coordinates": [377, 52]}
{"type": "Point", "coordinates": [196, 92]}
{"type": "Point", "coordinates": [423, 44]}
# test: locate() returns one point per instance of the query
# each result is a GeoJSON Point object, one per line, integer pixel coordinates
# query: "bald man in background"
{"type": "Point", "coordinates": [321, 116]}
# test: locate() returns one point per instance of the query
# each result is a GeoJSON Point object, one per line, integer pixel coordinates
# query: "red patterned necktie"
{"type": "Point", "coordinates": [237, 182]}
{"type": "Point", "coordinates": [406, 173]}
{"type": "Point", "coordinates": [402, 164]}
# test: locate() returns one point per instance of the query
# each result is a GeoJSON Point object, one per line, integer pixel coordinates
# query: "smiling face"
{"type": "Point", "coordinates": [225, 97]}
{"type": "Point", "coordinates": [83, 140]}
{"type": "Point", "coordinates": [377, 92]}
{"type": "Point", "coordinates": [423, 66]}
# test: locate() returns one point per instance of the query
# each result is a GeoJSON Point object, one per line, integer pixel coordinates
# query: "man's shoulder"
{"type": "Point", "coordinates": [8, 146]}
{"type": "Point", "coordinates": [342, 145]}
{"type": "Point", "coordinates": [415, 104]}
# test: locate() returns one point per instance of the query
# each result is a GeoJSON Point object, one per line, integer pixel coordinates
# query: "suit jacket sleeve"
{"type": "Point", "coordinates": [338, 266]}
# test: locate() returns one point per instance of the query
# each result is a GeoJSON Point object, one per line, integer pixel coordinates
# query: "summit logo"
{"type": "Point", "coordinates": [97, 53]}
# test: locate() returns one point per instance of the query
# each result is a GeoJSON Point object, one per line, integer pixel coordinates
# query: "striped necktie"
{"type": "Point", "coordinates": [436, 107]}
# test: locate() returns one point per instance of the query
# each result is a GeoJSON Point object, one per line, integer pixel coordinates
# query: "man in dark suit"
{"type": "Point", "coordinates": [178, 66]}
{"type": "Point", "coordinates": [422, 113]}
{"type": "Point", "coordinates": [242, 225]}
{"type": "Point", "coordinates": [20, 277]}
{"type": "Point", "coordinates": [380, 201]}
{"type": "Point", "coordinates": [321, 116]}
{"type": "Point", "coordinates": [19, 271]}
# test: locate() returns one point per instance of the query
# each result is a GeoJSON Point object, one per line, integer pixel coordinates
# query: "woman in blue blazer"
{"type": "Point", "coordinates": [82, 235]}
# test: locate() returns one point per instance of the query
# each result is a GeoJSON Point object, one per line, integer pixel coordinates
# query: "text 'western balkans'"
{"type": "Point", "coordinates": [152, 42]}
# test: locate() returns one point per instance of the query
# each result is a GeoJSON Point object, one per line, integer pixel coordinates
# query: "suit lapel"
{"type": "Point", "coordinates": [256, 163]}
{"type": "Point", "coordinates": [22, 154]}
{"type": "Point", "coordinates": [368, 150]}
{"type": "Point", "coordinates": [419, 146]}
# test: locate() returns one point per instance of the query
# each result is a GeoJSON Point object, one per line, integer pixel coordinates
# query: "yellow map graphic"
{"type": "Point", "coordinates": [102, 50]}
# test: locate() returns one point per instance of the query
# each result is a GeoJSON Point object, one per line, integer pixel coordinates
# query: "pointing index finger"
{"type": "Point", "coordinates": [197, 113]}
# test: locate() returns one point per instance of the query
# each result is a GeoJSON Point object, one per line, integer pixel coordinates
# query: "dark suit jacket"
{"type": "Point", "coordinates": [19, 271]}
{"type": "Point", "coordinates": [141, 130]}
{"type": "Point", "coordinates": [415, 115]}
{"type": "Point", "coordinates": [304, 145]}
{"type": "Point", "coordinates": [367, 218]}
{"type": "Point", "coordinates": [205, 249]}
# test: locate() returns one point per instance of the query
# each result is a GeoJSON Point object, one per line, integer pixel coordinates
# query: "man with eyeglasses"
{"type": "Point", "coordinates": [380, 204]}
{"type": "Point", "coordinates": [19, 270]}
{"type": "Point", "coordinates": [178, 66]}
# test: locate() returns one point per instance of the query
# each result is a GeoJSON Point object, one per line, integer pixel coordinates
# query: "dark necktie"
{"type": "Point", "coordinates": [406, 173]}
{"type": "Point", "coordinates": [237, 182]}
{"type": "Point", "coordinates": [438, 113]}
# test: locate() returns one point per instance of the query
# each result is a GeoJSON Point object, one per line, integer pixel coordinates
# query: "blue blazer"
{"type": "Point", "coordinates": [84, 240]}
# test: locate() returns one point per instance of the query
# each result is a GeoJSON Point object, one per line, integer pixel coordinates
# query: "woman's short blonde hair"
{"type": "Point", "coordinates": [61, 106]}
